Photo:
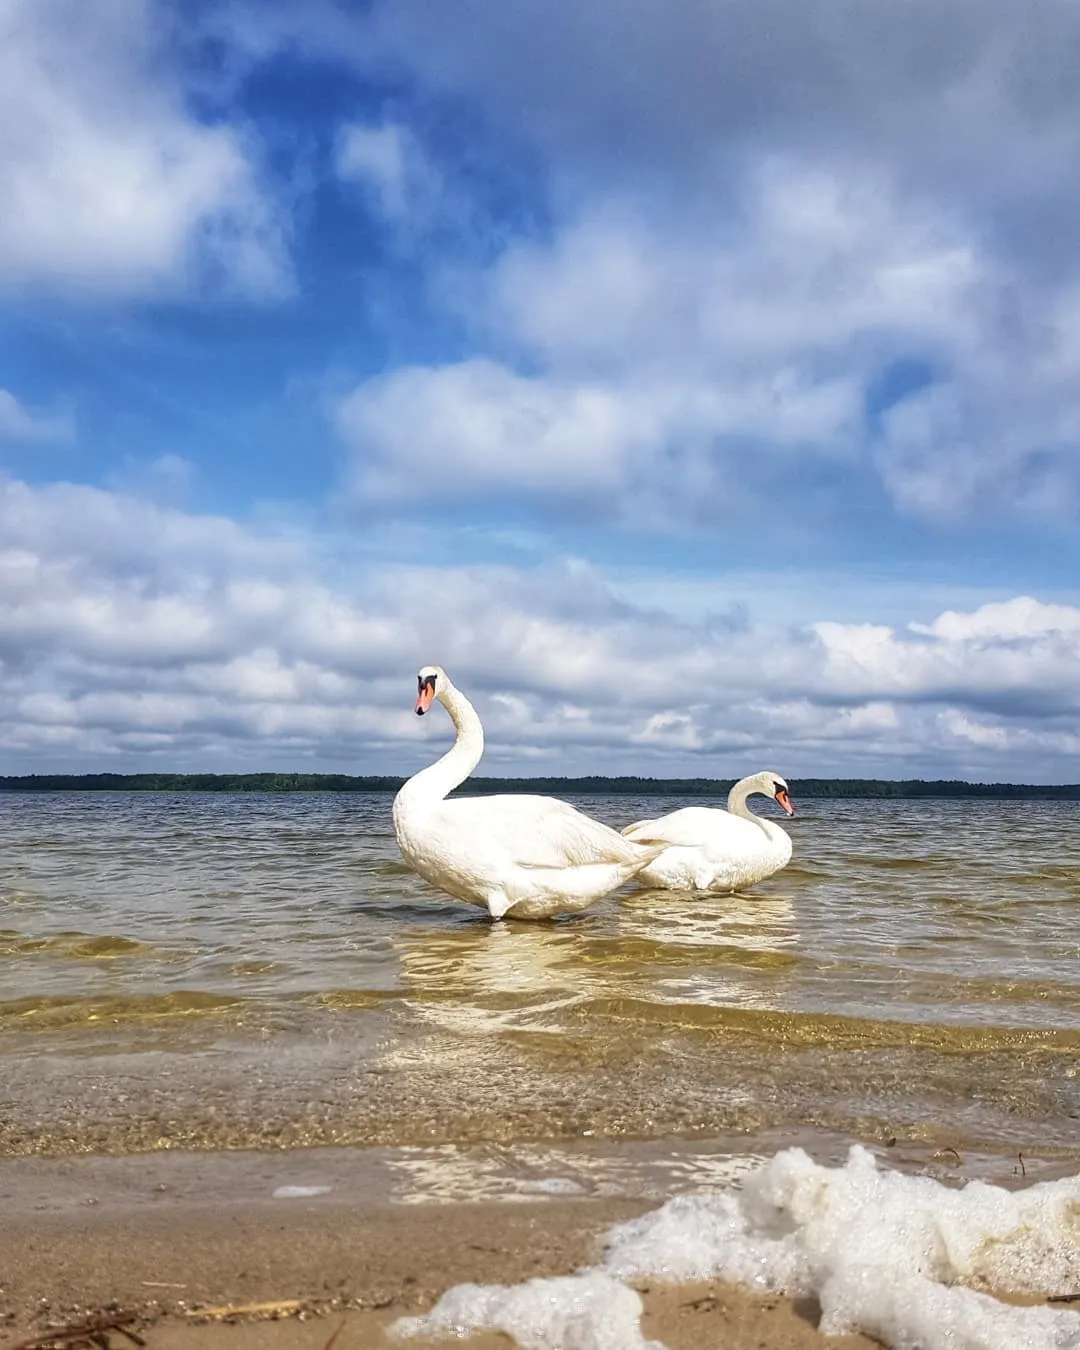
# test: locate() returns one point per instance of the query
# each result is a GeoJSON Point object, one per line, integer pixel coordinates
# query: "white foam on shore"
{"type": "Point", "coordinates": [590, 1311]}
{"type": "Point", "coordinates": [901, 1258]}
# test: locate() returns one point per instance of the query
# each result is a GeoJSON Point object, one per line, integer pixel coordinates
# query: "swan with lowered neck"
{"type": "Point", "coordinates": [531, 857]}
{"type": "Point", "coordinates": [713, 850]}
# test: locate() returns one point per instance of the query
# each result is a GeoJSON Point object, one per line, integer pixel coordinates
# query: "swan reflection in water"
{"type": "Point", "coordinates": [499, 977]}
{"type": "Point", "coordinates": [732, 951]}
{"type": "Point", "coordinates": [648, 946]}
{"type": "Point", "coordinates": [758, 923]}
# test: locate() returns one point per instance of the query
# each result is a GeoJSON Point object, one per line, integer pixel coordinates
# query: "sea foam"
{"type": "Point", "coordinates": [901, 1258]}
{"type": "Point", "coordinates": [588, 1311]}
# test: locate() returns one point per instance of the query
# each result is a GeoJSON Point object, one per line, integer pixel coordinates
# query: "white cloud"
{"type": "Point", "coordinates": [111, 185]}
{"type": "Point", "coordinates": [132, 634]}
{"type": "Point", "coordinates": [18, 424]}
{"type": "Point", "coordinates": [801, 259]}
{"type": "Point", "coordinates": [983, 659]}
{"type": "Point", "coordinates": [1021, 618]}
{"type": "Point", "coordinates": [745, 242]}
{"type": "Point", "coordinates": [386, 159]}
{"type": "Point", "coordinates": [451, 431]}
{"type": "Point", "coordinates": [974, 105]}
{"type": "Point", "coordinates": [164, 479]}
{"type": "Point", "coordinates": [659, 370]}
{"type": "Point", "coordinates": [963, 727]}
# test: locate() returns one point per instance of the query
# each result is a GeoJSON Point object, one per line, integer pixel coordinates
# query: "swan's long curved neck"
{"type": "Point", "coordinates": [433, 783]}
{"type": "Point", "coordinates": [736, 800]}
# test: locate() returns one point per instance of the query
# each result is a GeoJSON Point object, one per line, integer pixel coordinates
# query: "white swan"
{"type": "Point", "coordinates": [536, 856]}
{"type": "Point", "coordinates": [713, 850]}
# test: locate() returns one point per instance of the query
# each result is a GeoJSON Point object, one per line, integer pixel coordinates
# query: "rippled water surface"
{"type": "Point", "coordinates": [226, 970]}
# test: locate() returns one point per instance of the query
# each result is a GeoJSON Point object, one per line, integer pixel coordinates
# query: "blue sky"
{"type": "Point", "coordinates": [699, 385]}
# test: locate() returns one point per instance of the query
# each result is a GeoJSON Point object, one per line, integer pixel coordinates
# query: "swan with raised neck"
{"type": "Point", "coordinates": [438, 780]}
{"type": "Point", "coordinates": [529, 855]}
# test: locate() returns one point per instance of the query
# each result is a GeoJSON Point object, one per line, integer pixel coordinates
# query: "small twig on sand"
{"type": "Point", "coordinates": [705, 1304]}
{"type": "Point", "coordinates": [280, 1308]}
{"type": "Point", "coordinates": [93, 1334]}
{"type": "Point", "coordinates": [1020, 1160]}
{"type": "Point", "coordinates": [337, 1333]}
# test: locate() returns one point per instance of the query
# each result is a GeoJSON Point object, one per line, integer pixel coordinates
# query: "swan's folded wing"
{"type": "Point", "coordinates": [690, 827]}
{"type": "Point", "coordinates": [542, 831]}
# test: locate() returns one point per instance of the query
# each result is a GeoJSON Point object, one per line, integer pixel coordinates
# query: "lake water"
{"type": "Point", "coordinates": [209, 971]}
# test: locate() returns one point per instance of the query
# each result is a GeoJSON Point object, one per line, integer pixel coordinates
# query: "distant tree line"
{"type": "Point", "coordinates": [626, 786]}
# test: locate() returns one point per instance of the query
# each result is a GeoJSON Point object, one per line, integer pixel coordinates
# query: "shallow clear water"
{"type": "Point", "coordinates": [230, 970]}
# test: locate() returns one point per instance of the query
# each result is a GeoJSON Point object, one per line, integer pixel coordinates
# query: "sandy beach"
{"type": "Point", "coordinates": [328, 1248]}
{"type": "Point", "coordinates": [332, 1274]}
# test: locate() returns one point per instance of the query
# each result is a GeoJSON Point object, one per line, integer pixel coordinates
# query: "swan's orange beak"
{"type": "Point", "coordinates": [424, 697]}
{"type": "Point", "coordinates": [781, 797]}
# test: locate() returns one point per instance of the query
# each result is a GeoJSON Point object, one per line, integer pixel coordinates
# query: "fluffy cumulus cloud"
{"type": "Point", "coordinates": [662, 363]}
{"type": "Point", "coordinates": [477, 428]}
{"type": "Point", "coordinates": [828, 240]}
{"type": "Point", "coordinates": [629, 357]}
{"type": "Point", "coordinates": [132, 634]}
{"type": "Point", "coordinates": [111, 184]}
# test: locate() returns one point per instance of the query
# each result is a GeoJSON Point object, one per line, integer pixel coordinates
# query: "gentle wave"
{"type": "Point", "coordinates": [786, 1029]}
{"type": "Point", "coordinates": [48, 1014]}
{"type": "Point", "coordinates": [73, 946]}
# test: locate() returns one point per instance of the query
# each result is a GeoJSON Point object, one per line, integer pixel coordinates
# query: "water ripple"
{"type": "Point", "coordinates": [928, 948]}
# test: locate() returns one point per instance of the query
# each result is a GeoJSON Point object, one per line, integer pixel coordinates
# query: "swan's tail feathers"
{"type": "Point", "coordinates": [591, 881]}
{"type": "Point", "coordinates": [648, 850]}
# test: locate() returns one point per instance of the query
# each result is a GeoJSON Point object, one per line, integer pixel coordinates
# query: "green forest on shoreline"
{"type": "Point", "coordinates": [624, 786]}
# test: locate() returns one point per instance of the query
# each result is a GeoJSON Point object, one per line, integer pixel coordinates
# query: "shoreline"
{"type": "Point", "coordinates": [205, 1275]}
{"type": "Point", "coordinates": [339, 1243]}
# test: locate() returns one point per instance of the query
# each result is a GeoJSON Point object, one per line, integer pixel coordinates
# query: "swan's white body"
{"type": "Point", "coordinates": [714, 850]}
{"type": "Point", "coordinates": [528, 856]}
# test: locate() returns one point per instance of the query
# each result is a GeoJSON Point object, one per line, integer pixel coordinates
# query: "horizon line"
{"type": "Point", "coordinates": [301, 780]}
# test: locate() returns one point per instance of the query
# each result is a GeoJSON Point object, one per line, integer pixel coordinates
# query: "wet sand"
{"type": "Point", "coordinates": [342, 1242]}
{"type": "Point", "coordinates": [343, 1276]}
{"type": "Point", "coordinates": [178, 1241]}
{"type": "Point", "coordinates": [683, 1317]}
